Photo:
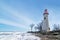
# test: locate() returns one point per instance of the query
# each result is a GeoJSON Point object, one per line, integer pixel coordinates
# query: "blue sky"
{"type": "Point", "coordinates": [17, 15]}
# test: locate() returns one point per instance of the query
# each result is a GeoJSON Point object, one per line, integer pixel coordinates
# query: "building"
{"type": "Point", "coordinates": [45, 24]}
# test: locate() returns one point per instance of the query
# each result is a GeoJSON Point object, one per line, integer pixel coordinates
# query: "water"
{"type": "Point", "coordinates": [17, 36]}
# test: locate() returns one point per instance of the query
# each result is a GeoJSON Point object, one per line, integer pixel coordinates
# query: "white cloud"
{"type": "Point", "coordinates": [17, 14]}
{"type": "Point", "coordinates": [3, 21]}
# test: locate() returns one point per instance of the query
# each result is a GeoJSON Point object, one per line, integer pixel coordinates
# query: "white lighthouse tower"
{"type": "Point", "coordinates": [45, 26]}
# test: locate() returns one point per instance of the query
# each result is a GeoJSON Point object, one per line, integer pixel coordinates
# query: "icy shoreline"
{"type": "Point", "coordinates": [17, 36]}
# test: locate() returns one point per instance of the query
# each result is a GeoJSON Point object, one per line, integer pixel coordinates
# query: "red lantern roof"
{"type": "Point", "coordinates": [45, 11]}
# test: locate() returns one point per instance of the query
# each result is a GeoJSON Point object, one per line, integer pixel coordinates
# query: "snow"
{"type": "Point", "coordinates": [17, 36]}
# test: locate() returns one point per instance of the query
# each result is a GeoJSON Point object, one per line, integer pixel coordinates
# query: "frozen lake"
{"type": "Point", "coordinates": [17, 36]}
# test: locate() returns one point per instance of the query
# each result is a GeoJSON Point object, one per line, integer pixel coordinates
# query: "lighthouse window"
{"type": "Point", "coordinates": [44, 17]}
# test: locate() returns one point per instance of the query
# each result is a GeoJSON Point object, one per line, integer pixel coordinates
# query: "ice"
{"type": "Point", "coordinates": [17, 36]}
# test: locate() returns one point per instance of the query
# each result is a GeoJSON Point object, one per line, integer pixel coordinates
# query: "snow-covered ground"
{"type": "Point", "coordinates": [17, 36]}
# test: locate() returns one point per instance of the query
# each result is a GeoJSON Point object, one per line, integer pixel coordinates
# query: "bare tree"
{"type": "Point", "coordinates": [32, 25]}
{"type": "Point", "coordinates": [56, 27]}
{"type": "Point", "coordinates": [35, 28]}
{"type": "Point", "coordinates": [39, 26]}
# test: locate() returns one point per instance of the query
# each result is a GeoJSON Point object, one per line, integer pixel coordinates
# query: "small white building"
{"type": "Point", "coordinates": [45, 24]}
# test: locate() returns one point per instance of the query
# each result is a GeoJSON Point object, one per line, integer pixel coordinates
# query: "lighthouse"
{"type": "Point", "coordinates": [45, 26]}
